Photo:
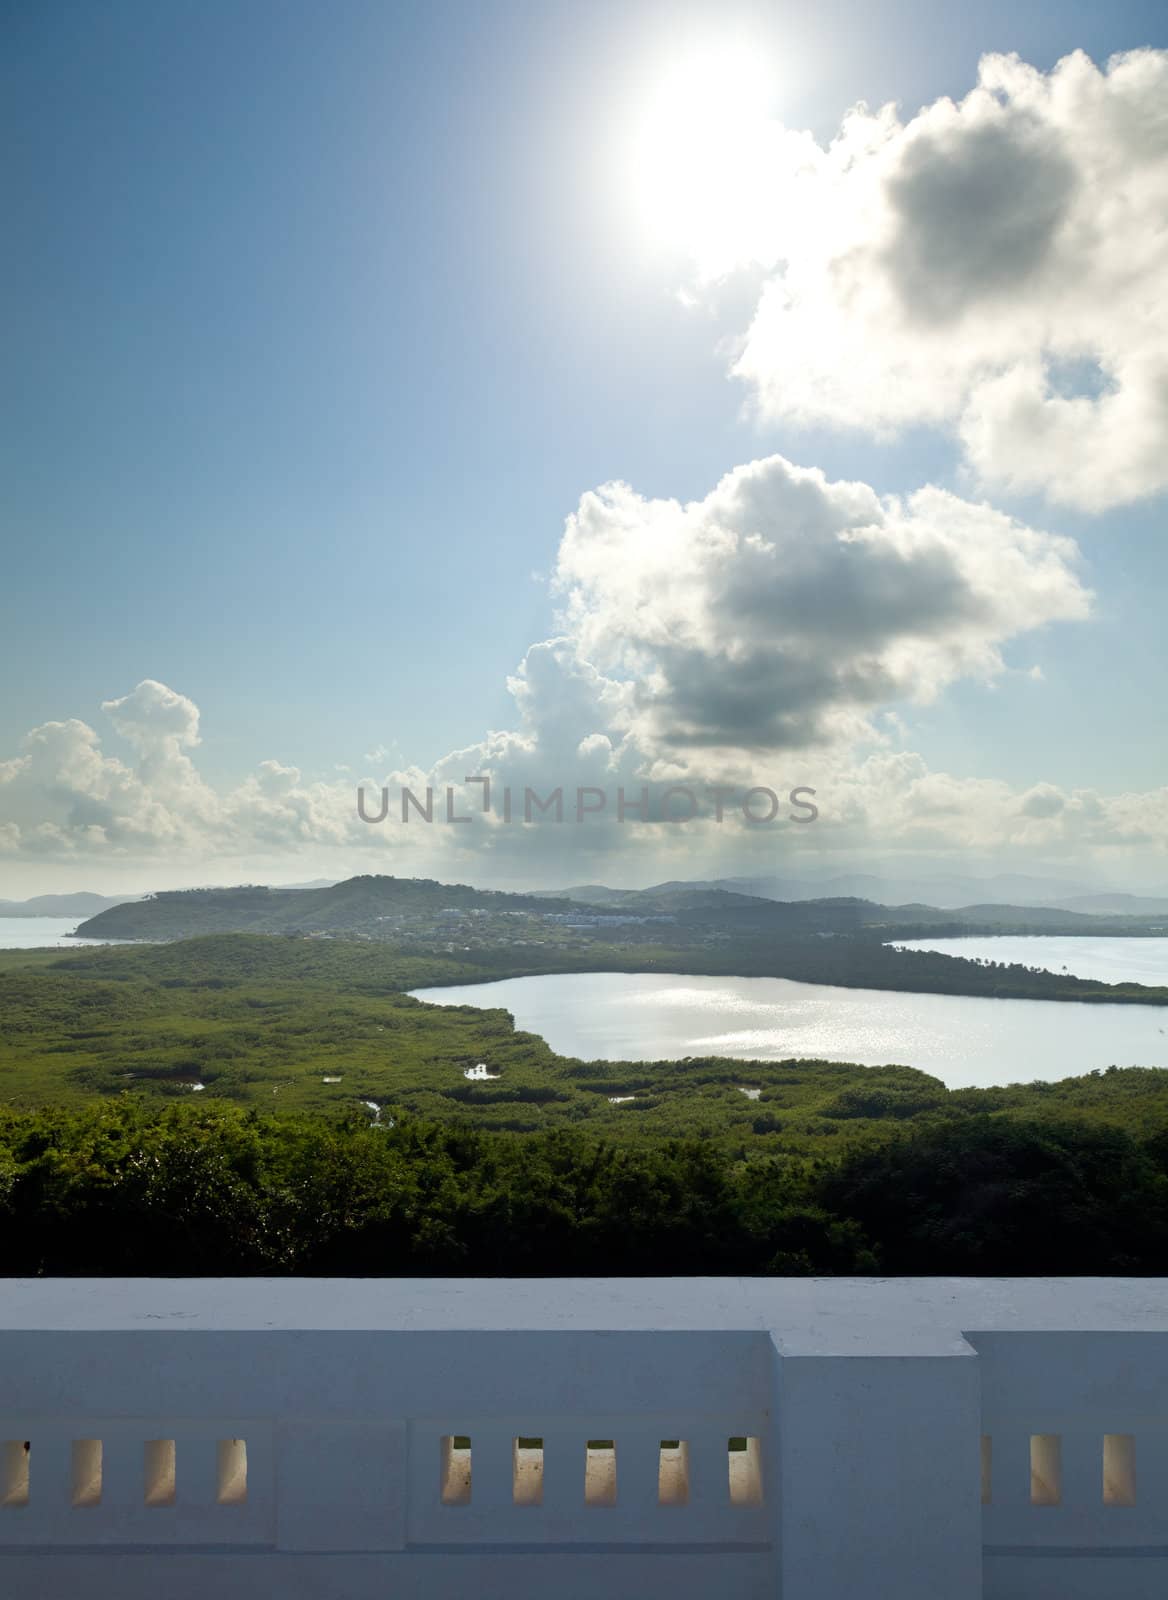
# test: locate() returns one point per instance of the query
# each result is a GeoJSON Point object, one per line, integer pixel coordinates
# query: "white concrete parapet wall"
{"type": "Point", "coordinates": [829, 1438]}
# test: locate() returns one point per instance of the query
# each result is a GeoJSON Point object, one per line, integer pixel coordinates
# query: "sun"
{"type": "Point", "coordinates": [698, 153]}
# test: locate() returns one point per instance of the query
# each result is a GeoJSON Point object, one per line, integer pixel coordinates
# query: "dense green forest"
{"type": "Point", "coordinates": [214, 1189]}
{"type": "Point", "coordinates": [335, 1131]}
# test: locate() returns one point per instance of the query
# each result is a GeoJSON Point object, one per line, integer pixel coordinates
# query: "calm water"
{"type": "Point", "coordinates": [963, 1041]}
{"type": "Point", "coordinates": [1111, 960]}
{"type": "Point", "coordinates": [33, 933]}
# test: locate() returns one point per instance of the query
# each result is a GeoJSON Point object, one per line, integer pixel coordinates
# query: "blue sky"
{"type": "Point", "coordinates": [321, 319]}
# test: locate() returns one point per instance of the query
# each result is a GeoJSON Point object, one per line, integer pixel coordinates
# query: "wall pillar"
{"type": "Point", "coordinates": [879, 1495]}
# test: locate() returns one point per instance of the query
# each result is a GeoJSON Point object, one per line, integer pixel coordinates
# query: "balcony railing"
{"type": "Point", "coordinates": [826, 1438]}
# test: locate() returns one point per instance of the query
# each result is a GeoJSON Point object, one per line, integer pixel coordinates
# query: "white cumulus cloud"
{"type": "Point", "coordinates": [996, 266]}
{"type": "Point", "coordinates": [782, 609]}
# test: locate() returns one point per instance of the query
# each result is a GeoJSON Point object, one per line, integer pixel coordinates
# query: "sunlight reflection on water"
{"type": "Point", "coordinates": [963, 1040]}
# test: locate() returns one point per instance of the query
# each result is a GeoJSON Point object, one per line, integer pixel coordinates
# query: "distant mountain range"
{"type": "Point", "coordinates": [81, 904]}
{"type": "Point", "coordinates": [943, 893]}
{"type": "Point", "coordinates": [410, 910]}
{"type": "Point", "coordinates": [326, 905]}
{"type": "Point", "coordinates": [84, 904]}
{"type": "Point", "coordinates": [946, 891]}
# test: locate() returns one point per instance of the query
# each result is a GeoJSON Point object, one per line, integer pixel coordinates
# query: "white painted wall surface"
{"type": "Point", "coordinates": [867, 1399]}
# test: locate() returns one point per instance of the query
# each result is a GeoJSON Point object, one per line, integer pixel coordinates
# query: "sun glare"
{"type": "Point", "coordinates": [697, 156]}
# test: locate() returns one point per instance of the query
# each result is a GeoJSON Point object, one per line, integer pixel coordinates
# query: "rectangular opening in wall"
{"type": "Point", "coordinates": [987, 1469]}
{"type": "Point", "coordinates": [1119, 1469]}
{"type": "Point", "coordinates": [527, 1471]}
{"type": "Point", "coordinates": [1046, 1469]}
{"type": "Point", "coordinates": [600, 1472]}
{"type": "Point", "coordinates": [455, 1469]}
{"type": "Point", "coordinates": [160, 1475]}
{"type": "Point", "coordinates": [673, 1473]}
{"type": "Point", "coordinates": [745, 1458]}
{"type": "Point", "coordinates": [86, 1473]}
{"type": "Point", "coordinates": [14, 1483]}
{"type": "Point", "coordinates": [231, 1472]}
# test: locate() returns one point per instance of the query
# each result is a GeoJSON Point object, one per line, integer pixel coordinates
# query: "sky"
{"type": "Point", "coordinates": [582, 395]}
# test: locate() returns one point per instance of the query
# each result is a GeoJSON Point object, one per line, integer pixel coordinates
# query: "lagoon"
{"type": "Point", "coordinates": [963, 1040]}
{"type": "Point", "coordinates": [1111, 960]}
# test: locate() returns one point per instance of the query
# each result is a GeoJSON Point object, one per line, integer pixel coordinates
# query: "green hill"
{"type": "Point", "coordinates": [368, 905]}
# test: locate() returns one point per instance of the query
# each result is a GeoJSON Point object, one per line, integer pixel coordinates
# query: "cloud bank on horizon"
{"type": "Point", "coordinates": [995, 267]}
{"type": "Point", "coordinates": [765, 629]}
